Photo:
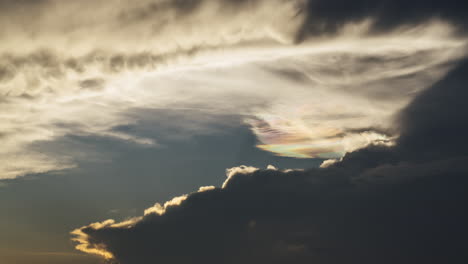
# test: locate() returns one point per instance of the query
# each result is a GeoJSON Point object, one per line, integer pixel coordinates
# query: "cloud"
{"type": "Point", "coordinates": [324, 17]}
{"type": "Point", "coordinates": [348, 84]}
{"type": "Point", "coordinates": [127, 35]}
{"type": "Point", "coordinates": [81, 72]}
{"type": "Point", "coordinates": [380, 204]}
{"type": "Point", "coordinates": [63, 63]}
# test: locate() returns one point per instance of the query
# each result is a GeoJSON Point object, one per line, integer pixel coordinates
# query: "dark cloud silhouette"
{"type": "Point", "coordinates": [402, 204]}
{"type": "Point", "coordinates": [436, 122]}
{"type": "Point", "coordinates": [330, 16]}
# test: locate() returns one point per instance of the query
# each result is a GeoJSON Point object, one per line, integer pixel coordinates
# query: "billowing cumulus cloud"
{"type": "Point", "coordinates": [380, 204]}
{"type": "Point", "coordinates": [79, 68]}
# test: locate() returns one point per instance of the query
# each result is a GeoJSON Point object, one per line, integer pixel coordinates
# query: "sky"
{"type": "Point", "coordinates": [233, 131]}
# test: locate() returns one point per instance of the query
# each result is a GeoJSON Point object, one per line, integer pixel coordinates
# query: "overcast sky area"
{"type": "Point", "coordinates": [233, 131]}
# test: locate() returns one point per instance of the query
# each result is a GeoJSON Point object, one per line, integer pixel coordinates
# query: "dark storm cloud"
{"type": "Point", "coordinates": [436, 122]}
{"type": "Point", "coordinates": [432, 127]}
{"type": "Point", "coordinates": [326, 16]}
{"type": "Point", "coordinates": [402, 204]}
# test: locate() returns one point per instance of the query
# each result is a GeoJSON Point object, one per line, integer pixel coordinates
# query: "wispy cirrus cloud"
{"type": "Point", "coordinates": [63, 64]}
{"type": "Point", "coordinates": [322, 97]}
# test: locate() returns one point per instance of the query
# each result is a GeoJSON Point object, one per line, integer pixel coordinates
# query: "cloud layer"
{"type": "Point", "coordinates": [401, 204]}
{"type": "Point", "coordinates": [60, 62]}
{"type": "Point", "coordinates": [319, 99]}
{"type": "Point", "coordinates": [69, 68]}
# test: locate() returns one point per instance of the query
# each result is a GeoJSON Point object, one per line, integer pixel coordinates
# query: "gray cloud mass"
{"type": "Point", "coordinates": [401, 204]}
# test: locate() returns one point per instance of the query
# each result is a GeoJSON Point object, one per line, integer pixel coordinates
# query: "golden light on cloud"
{"type": "Point", "coordinates": [161, 209]}
{"type": "Point", "coordinates": [87, 245]}
{"type": "Point", "coordinates": [83, 244]}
